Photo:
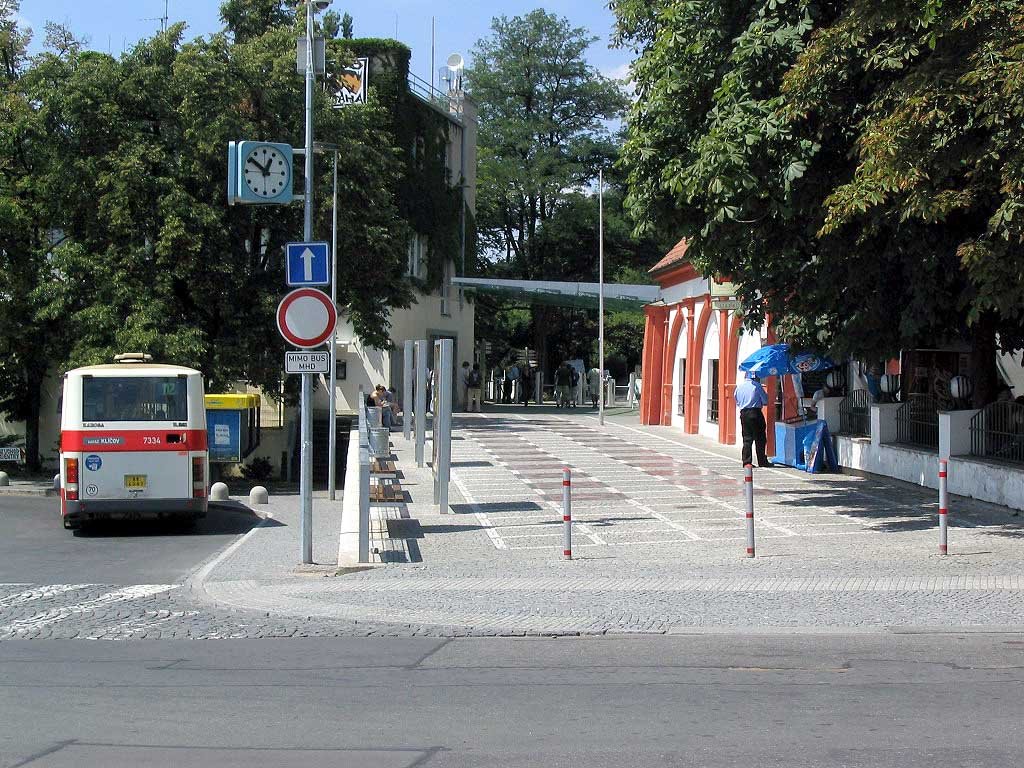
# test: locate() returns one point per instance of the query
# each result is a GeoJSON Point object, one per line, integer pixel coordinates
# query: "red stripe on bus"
{"type": "Point", "coordinates": [109, 440]}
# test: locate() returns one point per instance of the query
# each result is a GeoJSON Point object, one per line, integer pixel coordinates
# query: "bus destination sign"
{"type": "Point", "coordinates": [307, 362]}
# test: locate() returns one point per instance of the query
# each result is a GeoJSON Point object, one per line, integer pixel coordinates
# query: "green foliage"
{"type": "Point", "coordinates": [114, 229]}
{"type": "Point", "coordinates": [543, 136]}
{"type": "Point", "coordinates": [856, 165]}
{"type": "Point", "coordinates": [259, 469]}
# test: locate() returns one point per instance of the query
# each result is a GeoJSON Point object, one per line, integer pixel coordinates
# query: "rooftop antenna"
{"type": "Point", "coordinates": [162, 19]}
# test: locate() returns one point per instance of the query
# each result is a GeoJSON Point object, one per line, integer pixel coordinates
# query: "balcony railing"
{"type": "Point", "coordinates": [997, 432]}
{"type": "Point", "coordinates": [855, 413]}
{"type": "Point", "coordinates": [917, 422]}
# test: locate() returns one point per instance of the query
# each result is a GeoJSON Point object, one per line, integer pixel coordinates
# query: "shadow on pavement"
{"type": "Point", "coordinates": [224, 518]}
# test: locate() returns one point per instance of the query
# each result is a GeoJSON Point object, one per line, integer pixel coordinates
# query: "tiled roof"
{"type": "Point", "coordinates": [673, 258]}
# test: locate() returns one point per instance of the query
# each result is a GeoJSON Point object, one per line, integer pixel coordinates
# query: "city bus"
{"type": "Point", "coordinates": [132, 442]}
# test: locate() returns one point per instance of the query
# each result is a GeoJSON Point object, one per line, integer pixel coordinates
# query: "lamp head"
{"type": "Point", "coordinates": [321, 5]}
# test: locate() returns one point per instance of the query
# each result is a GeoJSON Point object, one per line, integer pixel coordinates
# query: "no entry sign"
{"type": "Point", "coordinates": [306, 317]}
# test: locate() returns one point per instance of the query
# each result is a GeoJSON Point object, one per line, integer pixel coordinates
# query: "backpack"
{"type": "Point", "coordinates": [474, 379]}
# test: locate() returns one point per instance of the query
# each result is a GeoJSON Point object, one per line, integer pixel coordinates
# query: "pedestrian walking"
{"type": "Point", "coordinates": [750, 399]}
{"type": "Point", "coordinates": [563, 380]}
{"type": "Point", "coordinates": [463, 399]}
{"type": "Point", "coordinates": [474, 381]}
{"type": "Point", "coordinates": [511, 377]}
{"type": "Point", "coordinates": [525, 384]}
{"type": "Point", "coordinates": [594, 385]}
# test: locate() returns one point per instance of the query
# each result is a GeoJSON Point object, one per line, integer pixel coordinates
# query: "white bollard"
{"type": "Point", "coordinates": [566, 513]}
{"type": "Point", "coordinates": [748, 493]}
{"type": "Point", "coordinates": [56, 482]}
{"type": "Point", "coordinates": [259, 495]}
{"type": "Point", "coordinates": [219, 492]}
{"type": "Point", "coordinates": [943, 505]}
{"type": "Point", "coordinates": [4, 480]}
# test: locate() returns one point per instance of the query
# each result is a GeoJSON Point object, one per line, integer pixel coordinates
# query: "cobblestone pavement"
{"type": "Point", "coordinates": [658, 548]}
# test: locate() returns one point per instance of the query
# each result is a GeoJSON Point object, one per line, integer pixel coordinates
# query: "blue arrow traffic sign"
{"type": "Point", "coordinates": [308, 264]}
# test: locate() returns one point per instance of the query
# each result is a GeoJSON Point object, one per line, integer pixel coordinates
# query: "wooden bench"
{"type": "Point", "coordinates": [383, 467]}
{"type": "Point", "coordinates": [386, 492]}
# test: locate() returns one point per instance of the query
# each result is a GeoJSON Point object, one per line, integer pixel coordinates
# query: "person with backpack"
{"type": "Point", "coordinates": [474, 380]}
{"type": "Point", "coordinates": [574, 387]}
{"type": "Point", "coordinates": [563, 378]}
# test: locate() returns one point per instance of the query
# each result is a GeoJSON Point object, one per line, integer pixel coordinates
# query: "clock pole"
{"type": "Point", "coordinates": [306, 415]}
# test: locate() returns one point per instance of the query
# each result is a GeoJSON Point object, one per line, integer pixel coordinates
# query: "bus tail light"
{"type": "Point", "coordinates": [71, 479]}
{"type": "Point", "coordinates": [198, 478]}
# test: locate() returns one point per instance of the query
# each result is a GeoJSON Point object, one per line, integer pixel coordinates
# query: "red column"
{"type": "Point", "coordinates": [653, 368]}
{"type": "Point", "coordinates": [723, 375]}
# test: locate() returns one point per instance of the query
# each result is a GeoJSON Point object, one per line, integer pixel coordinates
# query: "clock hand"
{"type": "Point", "coordinates": [262, 168]}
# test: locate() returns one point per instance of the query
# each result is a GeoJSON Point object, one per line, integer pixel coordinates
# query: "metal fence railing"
{"type": "Point", "coordinates": [855, 413]}
{"type": "Point", "coordinates": [681, 404]}
{"type": "Point", "coordinates": [917, 422]}
{"type": "Point", "coordinates": [997, 432]}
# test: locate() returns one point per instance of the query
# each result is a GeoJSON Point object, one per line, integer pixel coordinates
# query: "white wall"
{"type": "Point", "coordinates": [705, 427]}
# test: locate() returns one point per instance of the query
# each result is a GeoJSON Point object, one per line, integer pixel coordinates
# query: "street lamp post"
{"type": "Point", "coordinates": [600, 291]}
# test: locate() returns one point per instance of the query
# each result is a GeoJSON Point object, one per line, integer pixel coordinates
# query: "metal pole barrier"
{"type": "Point", "coordinates": [943, 505]}
{"type": "Point", "coordinates": [748, 493]}
{"type": "Point", "coordinates": [566, 513]}
{"type": "Point", "coordinates": [364, 504]}
{"type": "Point", "coordinates": [407, 390]}
{"type": "Point", "coordinates": [421, 400]}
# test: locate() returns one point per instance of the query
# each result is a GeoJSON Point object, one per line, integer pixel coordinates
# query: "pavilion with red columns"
{"type": "Point", "coordinates": [691, 356]}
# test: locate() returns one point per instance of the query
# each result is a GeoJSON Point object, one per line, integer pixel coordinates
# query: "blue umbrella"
{"type": "Point", "coordinates": [772, 360]}
{"type": "Point", "coordinates": [775, 360]}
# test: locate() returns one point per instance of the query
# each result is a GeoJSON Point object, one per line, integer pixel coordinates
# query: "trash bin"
{"type": "Point", "coordinates": [374, 417]}
{"type": "Point", "coordinates": [380, 441]}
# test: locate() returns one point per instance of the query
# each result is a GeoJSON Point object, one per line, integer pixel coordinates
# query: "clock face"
{"type": "Point", "coordinates": [266, 172]}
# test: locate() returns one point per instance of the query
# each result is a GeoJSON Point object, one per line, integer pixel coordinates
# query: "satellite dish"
{"type": "Point", "coordinates": [455, 61]}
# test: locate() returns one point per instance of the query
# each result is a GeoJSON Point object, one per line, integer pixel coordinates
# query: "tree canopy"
{"type": "Point", "coordinates": [855, 164]}
{"type": "Point", "coordinates": [115, 233]}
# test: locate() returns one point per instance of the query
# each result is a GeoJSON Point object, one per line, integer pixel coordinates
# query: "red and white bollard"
{"type": "Point", "coordinates": [566, 513]}
{"type": "Point", "coordinates": [748, 493]}
{"type": "Point", "coordinates": [943, 505]}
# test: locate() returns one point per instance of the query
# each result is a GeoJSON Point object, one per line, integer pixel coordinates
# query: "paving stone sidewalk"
{"type": "Point", "coordinates": [658, 542]}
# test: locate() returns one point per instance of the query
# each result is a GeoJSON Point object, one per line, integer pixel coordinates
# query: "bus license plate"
{"type": "Point", "coordinates": [135, 482]}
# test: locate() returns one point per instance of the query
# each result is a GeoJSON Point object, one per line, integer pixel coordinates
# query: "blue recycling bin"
{"type": "Point", "coordinates": [232, 427]}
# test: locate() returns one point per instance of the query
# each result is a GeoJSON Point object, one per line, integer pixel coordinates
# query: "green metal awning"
{"type": "Point", "coordinates": [617, 296]}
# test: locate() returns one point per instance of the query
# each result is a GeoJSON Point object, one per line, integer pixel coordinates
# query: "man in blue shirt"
{"type": "Point", "coordinates": [750, 399]}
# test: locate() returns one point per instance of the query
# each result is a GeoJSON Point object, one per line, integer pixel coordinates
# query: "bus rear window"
{"type": "Point", "coordinates": [134, 398]}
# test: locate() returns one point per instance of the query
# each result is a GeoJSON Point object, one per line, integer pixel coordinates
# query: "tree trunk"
{"type": "Point", "coordinates": [984, 370]}
{"type": "Point", "coordinates": [34, 388]}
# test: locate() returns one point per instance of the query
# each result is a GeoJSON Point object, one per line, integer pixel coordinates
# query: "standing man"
{"type": "Point", "coordinates": [511, 377]}
{"type": "Point", "coordinates": [474, 380]}
{"type": "Point", "coordinates": [525, 382]}
{"type": "Point", "coordinates": [750, 399]}
{"type": "Point", "coordinates": [463, 403]}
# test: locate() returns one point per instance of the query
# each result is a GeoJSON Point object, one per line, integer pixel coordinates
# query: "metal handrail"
{"type": "Point", "coordinates": [917, 422]}
{"type": "Point", "coordinates": [997, 432]}
{"type": "Point", "coordinates": [855, 413]}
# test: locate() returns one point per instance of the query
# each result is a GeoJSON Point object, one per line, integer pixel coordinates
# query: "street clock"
{"type": "Point", "coordinates": [259, 173]}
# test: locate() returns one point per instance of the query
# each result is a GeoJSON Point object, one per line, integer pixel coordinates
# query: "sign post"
{"type": "Point", "coordinates": [306, 318]}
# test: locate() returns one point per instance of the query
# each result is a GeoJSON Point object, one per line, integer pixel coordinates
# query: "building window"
{"type": "Point", "coordinates": [416, 256]}
{"type": "Point", "coordinates": [713, 391]}
{"type": "Point", "coordinates": [681, 407]}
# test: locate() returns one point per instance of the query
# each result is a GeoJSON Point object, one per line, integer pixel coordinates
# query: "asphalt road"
{"type": "Point", "coordinates": [913, 701]}
{"type": "Point", "coordinates": [35, 548]}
